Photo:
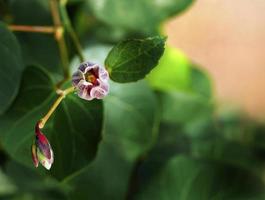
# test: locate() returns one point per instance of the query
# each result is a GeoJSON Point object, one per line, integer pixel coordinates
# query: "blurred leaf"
{"type": "Point", "coordinates": [229, 152]}
{"type": "Point", "coordinates": [37, 48]}
{"type": "Point", "coordinates": [182, 107]}
{"type": "Point", "coordinates": [191, 107]}
{"type": "Point", "coordinates": [137, 15]}
{"type": "Point", "coordinates": [6, 186]}
{"type": "Point", "coordinates": [176, 72]}
{"type": "Point", "coordinates": [31, 185]}
{"type": "Point", "coordinates": [200, 82]}
{"type": "Point", "coordinates": [76, 133]}
{"type": "Point", "coordinates": [17, 125]}
{"type": "Point", "coordinates": [11, 67]}
{"type": "Point", "coordinates": [184, 178]}
{"type": "Point", "coordinates": [129, 131]}
{"type": "Point", "coordinates": [172, 73]}
{"type": "Point", "coordinates": [133, 59]}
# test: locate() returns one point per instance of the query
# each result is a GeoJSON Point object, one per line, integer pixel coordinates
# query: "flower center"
{"type": "Point", "coordinates": [90, 77]}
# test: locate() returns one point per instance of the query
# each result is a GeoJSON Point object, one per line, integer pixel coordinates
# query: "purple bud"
{"type": "Point", "coordinates": [91, 81]}
{"type": "Point", "coordinates": [41, 149]}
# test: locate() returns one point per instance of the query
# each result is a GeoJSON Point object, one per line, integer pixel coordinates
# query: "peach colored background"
{"type": "Point", "coordinates": [227, 37]}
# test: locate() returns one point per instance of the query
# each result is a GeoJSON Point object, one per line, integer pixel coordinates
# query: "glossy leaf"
{"type": "Point", "coordinates": [76, 133]}
{"type": "Point", "coordinates": [11, 67]}
{"type": "Point", "coordinates": [129, 131]}
{"type": "Point", "coordinates": [133, 59]}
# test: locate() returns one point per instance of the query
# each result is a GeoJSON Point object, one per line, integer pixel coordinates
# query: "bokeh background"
{"type": "Point", "coordinates": [227, 38]}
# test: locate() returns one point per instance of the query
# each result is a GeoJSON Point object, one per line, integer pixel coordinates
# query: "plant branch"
{"type": "Point", "coordinates": [59, 37]}
{"type": "Point", "coordinates": [68, 25]}
{"type": "Point", "coordinates": [62, 95]}
{"type": "Point", "coordinates": [37, 29]}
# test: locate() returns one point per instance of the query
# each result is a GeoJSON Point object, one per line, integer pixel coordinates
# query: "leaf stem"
{"type": "Point", "coordinates": [68, 26]}
{"type": "Point", "coordinates": [37, 29]}
{"type": "Point", "coordinates": [62, 95]}
{"type": "Point", "coordinates": [59, 37]}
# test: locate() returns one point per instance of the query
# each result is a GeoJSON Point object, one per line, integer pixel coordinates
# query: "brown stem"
{"type": "Point", "coordinates": [59, 37]}
{"type": "Point", "coordinates": [69, 28]}
{"type": "Point", "coordinates": [37, 29]}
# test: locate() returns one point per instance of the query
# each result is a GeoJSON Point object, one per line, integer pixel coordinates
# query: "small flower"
{"type": "Point", "coordinates": [41, 150]}
{"type": "Point", "coordinates": [91, 81]}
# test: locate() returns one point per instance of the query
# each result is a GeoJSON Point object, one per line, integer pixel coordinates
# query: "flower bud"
{"type": "Point", "coordinates": [41, 149]}
{"type": "Point", "coordinates": [91, 81]}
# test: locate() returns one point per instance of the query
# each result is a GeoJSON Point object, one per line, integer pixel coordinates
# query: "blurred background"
{"type": "Point", "coordinates": [227, 38]}
{"type": "Point", "coordinates": [193, 129]}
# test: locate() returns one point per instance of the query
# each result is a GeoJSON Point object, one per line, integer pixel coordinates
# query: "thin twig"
{"type": "Point", "coordinates": [62, 95]}
{"type": "Point", "coordinates": [69, 28]}
{"type": "Point", "coordinates": [59, 36]}
{"type": "Point", "coordinates": [37, 29]}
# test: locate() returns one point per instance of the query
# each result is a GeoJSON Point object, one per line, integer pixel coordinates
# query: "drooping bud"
{"type": "Point", "coordinates": [41, 149]}
{"type": "Point", "coordinates": [91, 81]}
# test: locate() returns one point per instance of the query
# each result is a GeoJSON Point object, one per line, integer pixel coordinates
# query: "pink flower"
{"type": "Point", "coordinates": [91, 81]}
{"type": "Point", "coordinates": [41, 150]}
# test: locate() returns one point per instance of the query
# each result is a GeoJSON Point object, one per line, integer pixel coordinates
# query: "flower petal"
{"type": "Point", "coordinates": [85, 66]}
{"type": "Point", "coordinates": [100, 91]}
{"type": "Point", "coordinates": [45, 162]}
{"type": "Point", "coordinates": [34, 155]}
{"type": "Point", "coordinates": [91, 81]}
{"type": "Point", "coordinates": [77, 77]}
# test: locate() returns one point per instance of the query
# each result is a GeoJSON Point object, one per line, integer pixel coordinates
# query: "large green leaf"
{"type": "Point", "coordinates": [137, 15]}
{"type": "Point", "coordinates": [133, 59]}
{"type": "Point", "coordinates": [184, 178]}
{"type": "Point", "coordinates": [11, 67]}
{"type": "Point", "coordinates": [129, 131]}
{"type": "Point", "coordinates": [76, 133]}
{"type": "Point", "coordinates": [17, 125]}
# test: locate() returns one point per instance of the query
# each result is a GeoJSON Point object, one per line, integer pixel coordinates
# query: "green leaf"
{"type": "Point", "coordinates": [137, 15]}
{"type": "Point", "coordinates": [129, 131]}
{"type": "Point", "coordinates": [17, 125]}
{"type": "Point", "coordinates": [133, 59]}
{"type": "Point", "coordinates": [11, 67]}
{"type": "Point", "coordinates": [76, 132]}
{"type": "Point", "coordinates": [185, 178]}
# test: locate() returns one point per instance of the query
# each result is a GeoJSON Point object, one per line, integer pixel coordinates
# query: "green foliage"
{"type": "Point", "coordinates": [158, 138]}
{"type": "Point", "coordinates": [83, 129]}
{"type": "Point", "coordinates": [11, 67]}
{"type": "Point", "coordinates": [129, 131]}
{"type": "Point", "coordinates": [144, 15]}
{"type": "Point", "coordinates": [132, 59]}
{"type": "Point", "coordinates": [185, 178]}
